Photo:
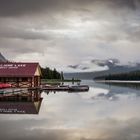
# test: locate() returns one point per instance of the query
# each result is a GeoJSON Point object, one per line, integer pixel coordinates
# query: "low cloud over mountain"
{"type": "Point", "coordinates": [94, 65]}
{"type": "Point", "coordinates": [108, 62]}
{"type": "Point", "coordinates": [97, 67]}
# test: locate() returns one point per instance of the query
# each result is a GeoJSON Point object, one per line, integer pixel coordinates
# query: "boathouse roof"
{"type": "Point", "coordinates": [10, 69]}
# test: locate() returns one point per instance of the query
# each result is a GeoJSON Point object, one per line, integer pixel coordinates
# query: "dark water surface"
{"type": "Point", "coordinates": [106, 112]}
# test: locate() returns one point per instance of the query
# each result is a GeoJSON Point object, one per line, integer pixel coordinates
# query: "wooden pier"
{"type": "Point", "coordinates": [78, 88]}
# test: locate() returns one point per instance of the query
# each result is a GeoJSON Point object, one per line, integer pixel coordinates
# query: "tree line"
{"type": "Point", "coordinates": [48, 73]}
{"type": "Point", "coordinates": [130, 76]}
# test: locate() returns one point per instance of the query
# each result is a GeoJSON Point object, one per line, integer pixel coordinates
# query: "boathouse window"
{"type": "Point", "coordinates": [20, 79]}
{"type": "Point", "coordinates": [1, 79]}
{"type": "Point", "coordinates": [24, 79]}
{"type": "Point", "coordinates": [11, 79]}
{"type": "Point", "coordinates": [29, 79]}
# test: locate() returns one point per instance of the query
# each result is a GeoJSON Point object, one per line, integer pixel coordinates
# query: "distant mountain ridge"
{"type": "Point", "coordinates": [2, 58]}
{"type": "Point", "coordinates": [114, 68]}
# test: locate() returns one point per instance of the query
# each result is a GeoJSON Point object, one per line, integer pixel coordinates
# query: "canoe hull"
{"type": "Point", "coordinates": [79, 88]}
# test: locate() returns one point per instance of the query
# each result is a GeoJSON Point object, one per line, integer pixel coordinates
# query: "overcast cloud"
{"type": "Point", "coordinates": [59, 33]}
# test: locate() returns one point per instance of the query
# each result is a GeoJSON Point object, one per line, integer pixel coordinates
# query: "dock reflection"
{"type": "Point", "coordinates": [20, 102]}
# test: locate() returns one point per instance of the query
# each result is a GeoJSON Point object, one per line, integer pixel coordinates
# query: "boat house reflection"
{"type": "Point", "coordinates": [20, 102]}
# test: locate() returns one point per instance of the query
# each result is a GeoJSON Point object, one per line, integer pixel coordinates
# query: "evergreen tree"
{"type": "Point", "coordinates": [48, 73]}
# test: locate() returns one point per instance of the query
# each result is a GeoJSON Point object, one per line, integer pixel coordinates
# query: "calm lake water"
{"type": "Point", "coordinates": [106, 112]}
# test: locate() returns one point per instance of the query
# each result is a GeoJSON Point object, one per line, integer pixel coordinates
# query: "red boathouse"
{"type": "Point", "coordinates": [20, 74]}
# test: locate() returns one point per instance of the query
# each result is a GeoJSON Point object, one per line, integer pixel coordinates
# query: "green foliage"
{"type": "Point", "coordinates": [48, 73]}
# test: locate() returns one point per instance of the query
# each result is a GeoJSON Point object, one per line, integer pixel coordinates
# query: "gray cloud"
{"type": "Point", "coordinates": [70, 30]}
{"type": "Point", "coordinates": [22, 34]}
{"type": "Point", "coordinates": [73, 66]}
{"type": "Point", "coordinates": [107, 62]}
{"type": "Point", "coordinates": [20, 7]}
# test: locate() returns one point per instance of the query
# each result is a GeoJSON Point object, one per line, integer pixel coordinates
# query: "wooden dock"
{"type": "Point", "coordinates": [48, 88]}
{"type": "Point", "coordinates": [78, 88]}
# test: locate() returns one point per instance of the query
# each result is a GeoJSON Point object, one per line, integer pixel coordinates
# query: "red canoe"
{"type": "Point", "coordinates": [3, 85]}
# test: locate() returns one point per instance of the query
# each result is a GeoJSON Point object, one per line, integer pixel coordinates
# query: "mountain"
{"type": "Point", "coordinates": [114, 67]}
{"type": "Point", "coordinates": [2, 58]}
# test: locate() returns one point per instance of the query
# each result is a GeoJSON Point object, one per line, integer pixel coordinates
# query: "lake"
{"type": "Point", "coordinates": [106, 112]}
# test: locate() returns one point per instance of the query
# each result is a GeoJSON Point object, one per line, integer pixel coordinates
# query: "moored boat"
{"type": "Point", "coordinates": [5, 85]}
{"type": "Point", "coordinates": [75, 88]}
{"type": "Point", "coordinates": [79, 88]}
{"type": "Point", "coordinates": [56, 87]}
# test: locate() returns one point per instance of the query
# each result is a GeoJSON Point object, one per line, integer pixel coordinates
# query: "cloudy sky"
{"type": "Point", "coordinates": [58, 33]}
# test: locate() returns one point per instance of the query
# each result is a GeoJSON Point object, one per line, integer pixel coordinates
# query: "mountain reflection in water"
{"type": "Point", "coordinates": [129, 85]}
{"type": "Point", "coordinates": [106, 112]}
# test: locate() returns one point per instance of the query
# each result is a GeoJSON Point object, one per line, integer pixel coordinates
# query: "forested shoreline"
{"type": "Point", "coordinates": [130, 76]}
{"type": "Point", "coordinates": [48, 73]}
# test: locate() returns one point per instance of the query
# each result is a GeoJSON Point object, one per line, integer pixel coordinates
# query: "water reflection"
{"type": "Point", "coordinates": [20, 102]}
{"type": "Point", "coordinates": [93, 115]}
